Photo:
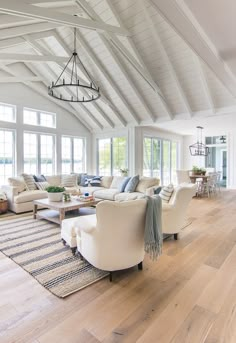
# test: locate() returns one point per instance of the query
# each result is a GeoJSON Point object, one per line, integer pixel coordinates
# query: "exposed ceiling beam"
{"type": "Point", "coordinates": [24, 30]}
{"type": "Point", "coordinates": [10, 20]}
{"type": "Point", "coordinates": [5, 43]}
{"type": "Point", "coordinates": [205, 84]}
{"type": "Point", "coordinates": [165, 56]}
{"type": "Point", "coordinates": [93, 15]}
{"type": "Point", "coordinates": [181, 19]}
{"type": "Point", "coordinates": [35, 87]}
{"type": "Point", "coordinates": [11, 79]}
{"type": "Point", "coordinates": [31, 58]}
{"type": "Point", "coordinates": [112, 83]}
{"type": "Point", "coordinates": [23, 9]}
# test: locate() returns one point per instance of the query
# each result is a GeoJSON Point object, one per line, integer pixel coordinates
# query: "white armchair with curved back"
{"type": "Point", "coordinates": [174, 212]}
{"type": "Point", "coordinates": [113, 238]}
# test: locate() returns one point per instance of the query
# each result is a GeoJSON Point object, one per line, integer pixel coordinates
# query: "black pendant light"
{"type": "Point", "coordinates": [68, 80]}
{"type": "Point", "coordinates": [223, 139]}
{"type": "Point", "coordinates": [198, 148]}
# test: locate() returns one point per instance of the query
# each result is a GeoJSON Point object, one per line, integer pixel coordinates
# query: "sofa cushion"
{"type": "Point", "coordinates": [84, 179]}
{"type": "Point", "coordinates": [17, 182]}
{"type": "Point", "coordinates": [96, 181]}
{"type": "Point", "coordinates": [106, 181]}
{"type": "Point", "coordinates": [132, 184]}
{"type": "Point", "coordinates": [39, 178]}
{"type": "Point", "coordinates": [90, 190]}
{"type": "Point", "coordinates": [166, 193]}
{"type": "Point", "coordinates": [146, 182]}
{"type": "Point", "coordinates": [30, 196]}
{"type": "Point", "coordinates": [29, 181]}
{"type": "Point", "coordinates": [69, 180]}
{"type": "Point", "coordinates": [124, 183]}
{"type": "Point", "coordinates": [117, 181]}
{"type": "Point", "coordinates": [106, 194]}
{"type": "Point", "coordinates": [54, 180]}
{"type": "Point", "coordinates": [129, 196]}
{"type": "Point", "coordinates": [42, 185]}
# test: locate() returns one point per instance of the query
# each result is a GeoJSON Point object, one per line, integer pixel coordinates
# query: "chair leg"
{"type": "Point", "coordinates": [73, 250]}
{"type": "Point", "coordinates": [140, 266]}
{"type": "Point", "coordinates": [176, 236]}
{"type": "Point", "coordinates": [110, 276]}
{"type": "Point", "coordinates": [63, 241]}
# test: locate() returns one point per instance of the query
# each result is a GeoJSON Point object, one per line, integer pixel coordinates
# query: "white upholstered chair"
{"type": "Point", "coordinates": [182, 176]}
{"type": "Point", "coordinates": [113, 238]}
{"type": "Point", "coordinates": [174, 212]}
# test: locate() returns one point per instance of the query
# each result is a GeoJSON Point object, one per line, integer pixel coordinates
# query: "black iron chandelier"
{"type": "Point", "coordinates": [68, 82]}
{"type": "Point", "coordinates": [198, 148]}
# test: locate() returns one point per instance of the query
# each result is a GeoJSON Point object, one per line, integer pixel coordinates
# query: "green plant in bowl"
{"type": "Point", "coordinates": [55, 193]}
{"type": "Point", "coordinates": [55, 189]}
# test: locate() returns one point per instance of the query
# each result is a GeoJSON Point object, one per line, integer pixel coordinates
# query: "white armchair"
{"type": "Point", "coordinates": [174, 212]}
{"type": "Point", "coordinates": [113, 238]}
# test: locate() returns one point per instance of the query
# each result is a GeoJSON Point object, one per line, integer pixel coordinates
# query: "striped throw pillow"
{"type": "Point", "coordinates": [69, 180]}
{"type": "Point", "coordinates": [42, 185]}
{"type": "Point", "coordinates": [96, 181]}
{"type": "Point", "coordinates": [29, 181]}
{"type": "Point", "coordinates": [166, 192]}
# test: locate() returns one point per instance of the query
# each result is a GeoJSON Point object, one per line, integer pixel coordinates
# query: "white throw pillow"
{"type": "Point", "coordinates": [117, 181]}
{"type": "Point", "coordinates": [145, 183]}
{"type": "Point", "coordinates": [69, 180]}
{"type": "Point", "coordinates": [166, 192]}
{"type": "Point", "coordinates": [17, 182]}
{"type": "Point", "coordinates": [42, 185]}
{"type": "Point", "coordinates": [29, 181]}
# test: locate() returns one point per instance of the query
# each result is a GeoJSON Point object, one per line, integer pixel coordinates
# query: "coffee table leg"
{"type": "Point", "coordinates": [35, 211]}
{"type": "Point", "coordinates": [62, 215]}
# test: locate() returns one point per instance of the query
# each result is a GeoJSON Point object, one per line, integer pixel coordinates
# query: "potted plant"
{"type": "Point", "coordinates": [124, 171]}
{"type": "Point", "coordinates": [55, 193]}
{"type": "Point", "coordinates": [198, 171]}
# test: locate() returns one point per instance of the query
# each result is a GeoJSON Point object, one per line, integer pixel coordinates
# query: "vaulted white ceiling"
{"type": "Point", "coordinates": [152, 59]}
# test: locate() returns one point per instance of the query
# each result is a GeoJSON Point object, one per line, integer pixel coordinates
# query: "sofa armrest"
{"type": "Point", "coordinates": [10, 192]}
{"type": "Point", "coordinates": [167, 207]}
{"type": "Point", "coordinates": [86, 224]}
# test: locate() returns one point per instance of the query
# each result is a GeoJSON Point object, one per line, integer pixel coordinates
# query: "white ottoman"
{"type": "Point", "coordinates": [68, 233]}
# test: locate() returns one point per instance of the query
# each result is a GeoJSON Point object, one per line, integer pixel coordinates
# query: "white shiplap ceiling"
{"type": "Point", "coordinates": [152, 59]}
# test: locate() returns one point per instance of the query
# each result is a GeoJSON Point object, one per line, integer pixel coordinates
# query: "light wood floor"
{"type": "Point", "coordinates": [187, 296]}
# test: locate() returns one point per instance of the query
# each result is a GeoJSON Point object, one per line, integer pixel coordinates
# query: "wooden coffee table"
{"type": "Point", "coordinates": [56, 211]}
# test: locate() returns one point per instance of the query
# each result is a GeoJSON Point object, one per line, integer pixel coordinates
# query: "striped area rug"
{"type": "Point", "coordinates": [36, 246]}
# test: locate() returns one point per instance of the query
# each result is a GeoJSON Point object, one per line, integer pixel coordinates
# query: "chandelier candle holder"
{"type": "Point", "coordinates": [198, 148]}
{"type": "Point", "coordinates": [68, 82]}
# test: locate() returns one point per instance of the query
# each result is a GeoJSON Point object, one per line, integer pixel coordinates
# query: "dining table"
{"type": "Point", "coordinates": [193, 178]}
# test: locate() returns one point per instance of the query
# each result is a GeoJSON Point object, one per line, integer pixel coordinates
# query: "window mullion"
{"type": "Point", "coordinates": [111, 155]}
{"type": "Point", "coordinates": [39, 153]}
{"type": "Point", "coordinates": [72, 155]}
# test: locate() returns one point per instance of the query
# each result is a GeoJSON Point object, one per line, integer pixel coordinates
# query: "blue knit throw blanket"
{"type": "Point", "coordinates": [153, 227]}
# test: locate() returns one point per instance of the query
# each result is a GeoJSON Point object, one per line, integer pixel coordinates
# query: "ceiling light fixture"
{"type": "Point", "coordinates": [223, 139]}
{"type": "Point", "coordinates": [199, 149]}
{"type": "Point", "coordinates": [68, 82]}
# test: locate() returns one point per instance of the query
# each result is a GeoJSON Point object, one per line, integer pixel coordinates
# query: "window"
{"type": "Point", "coordinates": [34, 117]}
{"type": "Point", "coordinates": [7, 113]}
{"type": "Point", "coordinates": [112, 155]}
{"type": "Point", "coordinates": [39, 153]}
{"type": "Point", "coordinates": [160, 159]}
{"type": "Point", "coordinates": [73, 154]}
{"type": "Point", "coordinates": [7, 155]}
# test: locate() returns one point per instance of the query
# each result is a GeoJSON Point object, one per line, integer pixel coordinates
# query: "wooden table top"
{"type": "Point", "coordinates": [73, 203]}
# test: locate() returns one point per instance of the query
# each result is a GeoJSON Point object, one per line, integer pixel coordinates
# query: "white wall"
{"type": "Point", "coordinates": [67, 124]}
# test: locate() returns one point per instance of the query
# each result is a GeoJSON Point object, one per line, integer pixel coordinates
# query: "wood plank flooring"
{"type": "Point", "coordinates": [187, 296]}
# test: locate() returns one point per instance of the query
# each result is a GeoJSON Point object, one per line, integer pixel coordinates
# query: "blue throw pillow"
{"type": "Point", "coordinates": [157, 190]}
{"type": "Point", "coordinates": [132, 184]}
{"type": "Point", "coordinates": [84, 180]}
{"type": "Point", "coordinates": [122, 186]}
{"type": "Point", "coordinates": [39, 178]}
{"type": "Point", "coordinates": [96, 181]}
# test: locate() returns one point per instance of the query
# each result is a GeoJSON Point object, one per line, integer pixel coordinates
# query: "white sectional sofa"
{"type": "Point", "coordinates": [21, 200]}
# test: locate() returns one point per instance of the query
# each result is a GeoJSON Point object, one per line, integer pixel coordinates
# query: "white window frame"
{"type": "Point", "coordinates": [38, 156]}
{"type": "Point", "coordinates": [13, 148]}
{"type": "Point", "coordinates": [72, 152]}
{"type": "Point", "coordinates": [111, 152]}
{"type": "Point", "coordinates": [14, 113]}
{"type": "Point", "coordinates": [38, 114]}
{"type": "Point", "coordinates": [161, 155]}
